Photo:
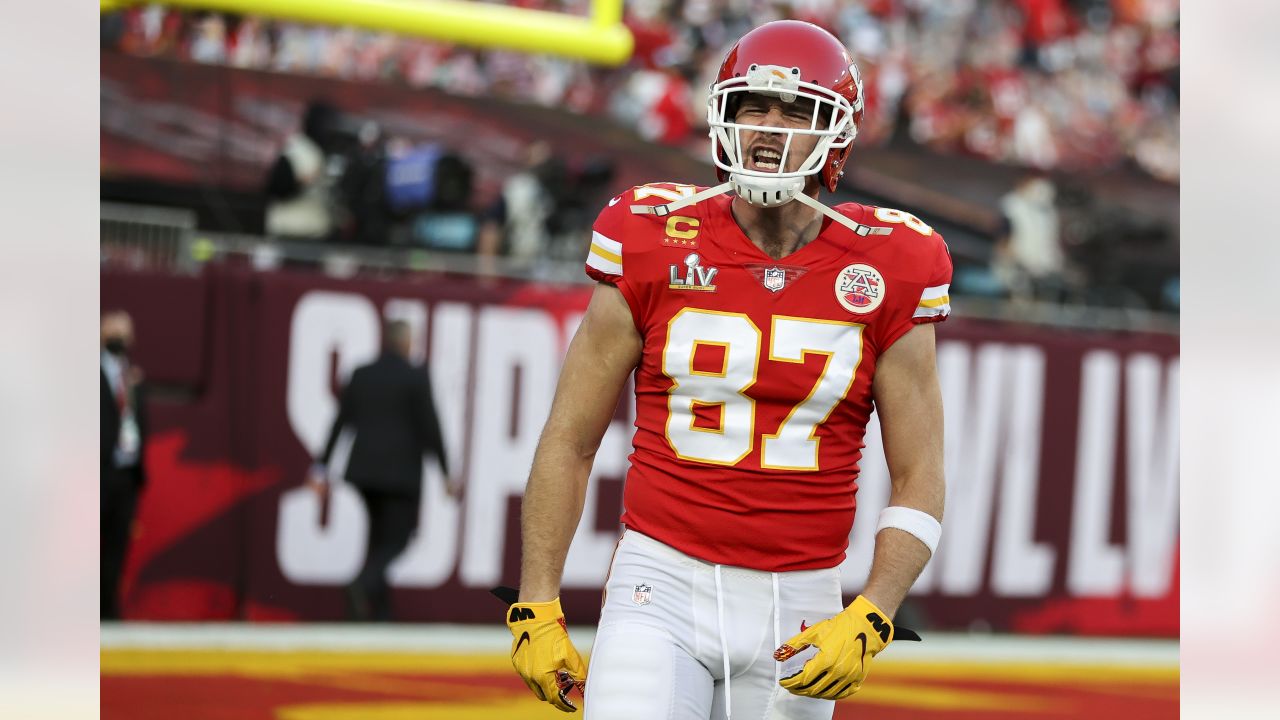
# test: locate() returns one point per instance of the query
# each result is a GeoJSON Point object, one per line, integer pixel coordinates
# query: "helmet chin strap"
{"type": "Point", "coordinates": [855, 226]}
{"type": "Point", "coordinates": [766, 192]}
{"type": "Point", "coordinates": [762, 192]}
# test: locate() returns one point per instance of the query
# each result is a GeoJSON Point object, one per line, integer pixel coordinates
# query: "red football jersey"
{"type": "Point", "coordinates": [754, 386]}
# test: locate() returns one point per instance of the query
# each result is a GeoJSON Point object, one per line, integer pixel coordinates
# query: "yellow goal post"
{"type": "Point", "coordinates": [600, 39]}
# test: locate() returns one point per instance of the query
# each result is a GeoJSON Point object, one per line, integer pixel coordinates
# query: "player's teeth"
{"type": "Point", "coordinates": [768, 159]}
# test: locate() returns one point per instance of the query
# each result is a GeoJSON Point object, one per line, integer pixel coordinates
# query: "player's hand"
{"type": "Point", "coordinates": [846, 644]}
{"type": "Point", "coordinates": [543, 654]}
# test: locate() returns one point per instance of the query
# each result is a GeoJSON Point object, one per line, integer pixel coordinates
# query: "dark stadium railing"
{"type": "Point", "coordinates": [166, 239]}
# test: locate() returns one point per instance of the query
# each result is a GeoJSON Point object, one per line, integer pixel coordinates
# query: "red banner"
{"type": "Point", "coordinates": [1062, 448]}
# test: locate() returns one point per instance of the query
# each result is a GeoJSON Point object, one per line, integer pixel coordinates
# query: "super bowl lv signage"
{"type": "Point", "coordinates": [1062, 500]}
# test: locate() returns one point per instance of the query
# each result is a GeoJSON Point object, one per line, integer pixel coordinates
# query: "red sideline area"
{"type": "Point", "coordinates": [156, 684]}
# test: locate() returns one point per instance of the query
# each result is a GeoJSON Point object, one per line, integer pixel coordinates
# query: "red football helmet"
{"type": "Point", "coordinates": [788, 59]}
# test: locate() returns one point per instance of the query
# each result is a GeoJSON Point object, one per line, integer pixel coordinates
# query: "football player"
{"type": "Point", "coordinates": [761, 328]}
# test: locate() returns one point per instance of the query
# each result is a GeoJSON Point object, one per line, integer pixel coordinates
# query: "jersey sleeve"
{"type": "Point", "coordinates": [620, 236]}
{"type": "Point", "coordinates": [924, 298]}
{"type": "Point", "coordinates": [935, 302]}
{"type": "Point", "coordinates": [624, 245]}
{"type": "Point", "coordinates": [604, 259]}
{"type": "Point", "coordinates": [615, 242]}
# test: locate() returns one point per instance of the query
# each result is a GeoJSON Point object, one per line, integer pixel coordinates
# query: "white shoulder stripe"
{"type": "Point", "coordinates": [933, 293]}
{"type": "Point", "coordinates": [598, 262]}
{"type": "Point", "coordinates": [606, 244]}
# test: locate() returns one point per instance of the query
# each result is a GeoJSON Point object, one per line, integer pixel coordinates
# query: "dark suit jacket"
{"type": "Point", "coordinates": [389, 405]}
{"type": "Point", "coordinates": [109, 425]}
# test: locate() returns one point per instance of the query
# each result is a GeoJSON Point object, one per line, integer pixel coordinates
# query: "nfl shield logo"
{"type": "Point", "coordinates": [641, 594]}
{"type": "Point", "coordinates": [774, 279]}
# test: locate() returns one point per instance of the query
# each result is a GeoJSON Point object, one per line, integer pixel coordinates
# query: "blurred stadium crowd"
{"type": "Point", "coordinates": [1065, 84]}
{"type": "Point", "coordinates": [1066, 90]}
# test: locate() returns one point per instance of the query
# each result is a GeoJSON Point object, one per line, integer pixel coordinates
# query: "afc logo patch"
{"type": "Point", "coordinates": [860, 288]}
{"type": "Point", "coordinates": [642, 594]}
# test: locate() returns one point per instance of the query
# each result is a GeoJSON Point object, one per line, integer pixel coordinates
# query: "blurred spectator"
{"type": "Point", "coordinates": [209, 41]}
{"type": "Point", "coordinates": [1044, 22]}
{"type": "Point", "coordinates": [123, 452]}
{"type": "Point", "coordinates": [299, 187]}
{"type": "Point", "coordinates": [1033, 141]}
{"type": "Point", "coordinates": [411, 176]}
{"type": "Point", "coordinates": [153, 30]}
{"type": "Point", "coordinates": [524, 207]}
{"type": "Point", "coordinates": [360, 192]}
{"type": "Point", "coordinates": [657, 105]}
{"type": "Point", "coordinates": [389, 405]}
{"type": "Point", "coordinates": [431, 188]}
{"type": "Point", "coordinates": [578, 196]}
{"type": "Point", "coordinates": [545, 210]}
{"type": "Point", "coordinates": [1028, 259]}
{"type": "Point", "coordinates": [251, 44]}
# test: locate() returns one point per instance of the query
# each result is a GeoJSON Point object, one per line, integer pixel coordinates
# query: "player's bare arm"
{"type": "Point", "coordinates": [604, 351]}
{"type": "Point", "coordinates": [909, 403]}
{"type": "Point", "coordinates": [602, 354]}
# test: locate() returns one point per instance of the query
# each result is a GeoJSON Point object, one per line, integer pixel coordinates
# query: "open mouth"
{"type": "Point", "coordinates": [766, 159]}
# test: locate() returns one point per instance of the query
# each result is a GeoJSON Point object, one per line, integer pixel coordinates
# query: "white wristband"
{"type": "Point", "coordinates": [921, 524]}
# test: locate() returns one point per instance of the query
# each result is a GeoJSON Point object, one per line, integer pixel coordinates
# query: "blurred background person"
{"type": "Point", "coordinates": [362, 189]}
{"type": "Point", "coordinates": [1028, 258]}
{"type": "Point", "coordinates": [543, 212]}
{"type": "Point", "coordinates": [299, 187]}
{"type": "Point", "coordinates": [389, 405]}
{"type": "Point", "coordinates": [429, 190]}
{"type": "Point", "coordinates": [525, 206]}
{"type": "Point", "coordinates": [123, 467]}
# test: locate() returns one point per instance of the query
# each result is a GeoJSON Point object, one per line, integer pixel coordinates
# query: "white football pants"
{"type": "Point", "coordinates": [682, 639]}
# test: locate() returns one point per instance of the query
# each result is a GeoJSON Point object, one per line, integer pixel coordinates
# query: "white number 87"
{"type": "Point", "coordinates": [794, 446]}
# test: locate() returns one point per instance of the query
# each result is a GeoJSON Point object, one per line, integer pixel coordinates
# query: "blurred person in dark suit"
{"type": "Point", "coordinates": [389, 405]}
{"type": "Point", "coordinates": [123, 444]}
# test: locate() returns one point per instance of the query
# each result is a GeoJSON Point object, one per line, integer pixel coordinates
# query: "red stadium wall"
{"type": "Point", "coordinates": [1061, 458]}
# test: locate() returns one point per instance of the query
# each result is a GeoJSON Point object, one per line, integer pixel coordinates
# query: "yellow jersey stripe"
{"type": "Point", "coordinates": [604, 266]}
{"type": "Point", "coordinates": [611, 257]}
{"type": "Point", "coordinates": [943, 311]}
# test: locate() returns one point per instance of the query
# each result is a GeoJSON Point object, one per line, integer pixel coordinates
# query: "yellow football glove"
{"type": "Point", "coordinates": [846, 643]}
{"type": "Point", "coordinates": [543, 654]}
